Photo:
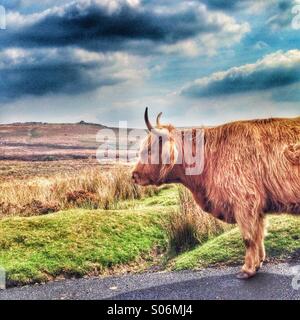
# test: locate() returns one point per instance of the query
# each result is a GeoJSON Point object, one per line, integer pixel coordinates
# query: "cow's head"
{"type": "Point", "coordinates": [158, 154]}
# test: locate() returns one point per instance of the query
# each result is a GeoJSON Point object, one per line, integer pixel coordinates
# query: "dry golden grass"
{"type": "Point", "coordinates": [92, 187]}
{"type": "Point", "coordinates": [190, 225]}
{"type": "Point", "coordinates": [10, 170]}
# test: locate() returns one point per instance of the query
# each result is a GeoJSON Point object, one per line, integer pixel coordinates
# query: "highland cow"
{"type": "Point", "coordinates": [250, 168]}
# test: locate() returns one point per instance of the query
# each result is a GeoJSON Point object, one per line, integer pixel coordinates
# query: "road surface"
{"type": "Point", "coordinates": [272, 282]}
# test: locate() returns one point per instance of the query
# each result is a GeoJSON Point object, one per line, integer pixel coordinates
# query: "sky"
{"type": "Point", "coordinates": [200, 62]}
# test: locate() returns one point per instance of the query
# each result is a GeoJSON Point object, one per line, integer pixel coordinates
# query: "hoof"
{"type": "Point", "coordinates": [245, 275]}
{"type": "Point", "coordinates": [259, 266]}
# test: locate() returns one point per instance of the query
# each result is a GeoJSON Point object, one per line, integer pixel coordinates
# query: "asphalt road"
{"type": "Point", "coordinates": [272, 282]}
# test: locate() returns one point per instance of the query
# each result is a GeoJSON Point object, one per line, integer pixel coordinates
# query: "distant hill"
{"type": "Point", "coordinates": [38, 123]}
{"type": "Point", "coordinates": [35, 141]}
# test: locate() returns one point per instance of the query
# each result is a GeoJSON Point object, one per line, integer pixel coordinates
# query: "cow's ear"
{"type": "Point", "coordinates": [169, 157]}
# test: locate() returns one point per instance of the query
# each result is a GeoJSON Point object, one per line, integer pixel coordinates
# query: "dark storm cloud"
{"type": "Point", "coordinates": [107, 27]}
{"type": "Point", "coordinates": [274, 71]}
{"type": "Point", "coordinates": [96, 26]}
{"type": "Point", "coordinates": [44, 72]}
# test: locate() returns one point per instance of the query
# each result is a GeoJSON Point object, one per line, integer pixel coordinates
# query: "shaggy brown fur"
{"type": "Point", "coordinates": [251, 168]}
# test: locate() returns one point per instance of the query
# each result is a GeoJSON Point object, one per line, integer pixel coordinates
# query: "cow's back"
{"type": "Point", "coordinates": [281, 144]}
{"type": "Point", "coordinates": [253, 160]}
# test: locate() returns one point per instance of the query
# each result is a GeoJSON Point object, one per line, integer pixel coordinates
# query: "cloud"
{"type": "Point", "coordinates": [10, 4]}
{"type": "Point", "coordinates": [281, 14]}
{"type": "Point", "coordinates": [224, 4]}
{"type": "Point", "coordinates": [236, 5]}
{"type": "Point", "coordinates": [120, 25]}
{"type": "Point", "coordinates": [275, 70]}
{"type": "Point", "coordinates": [260, 45]}
{"type": "Point", "coordinates": [278, 13]}
{"type": "Point", "coordinates": [31, 5]}
{"type": "Point", "coordinates": [61, 71]}
{"type": "Point", "coordinates": [41, 52]}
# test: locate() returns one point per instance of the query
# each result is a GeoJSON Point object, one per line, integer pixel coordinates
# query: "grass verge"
{"type": "Point", "coordinates": [80, 242]}
{"type": "Point", "coordinates": [77, 242]}
{"type": "Point", "coordinates": [282, 240]}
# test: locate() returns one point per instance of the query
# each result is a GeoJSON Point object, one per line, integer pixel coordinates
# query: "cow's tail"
{"type": "Point", "coordinates": [292, 154]}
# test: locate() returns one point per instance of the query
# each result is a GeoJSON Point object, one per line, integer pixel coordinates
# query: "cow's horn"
{"type": "Point", "coordinates": [148, 124]}
{"type": "Point", "coordinates": [156, 131]}
{"type": "Point", "coordinates": [158, 119]}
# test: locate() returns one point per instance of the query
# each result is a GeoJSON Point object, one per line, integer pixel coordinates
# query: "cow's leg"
{"type": "Point", "coordinates": [260, 240]}
{"type": "Point", "coordinates": [251, 226]}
